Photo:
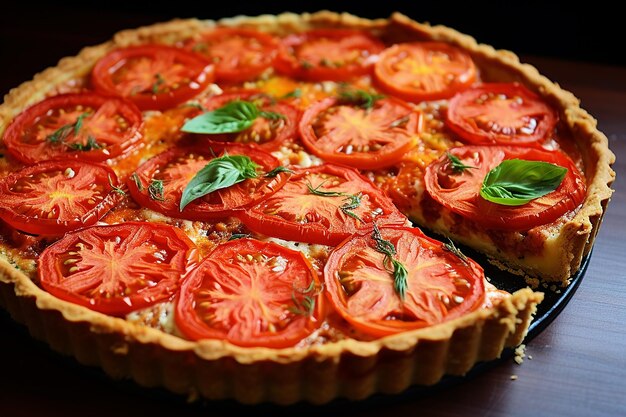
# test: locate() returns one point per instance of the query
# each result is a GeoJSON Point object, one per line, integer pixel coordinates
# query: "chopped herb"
{"type": "Point", "coordinates": [200, 47]}
{"type": "Point", "coordinates": [450, 247]}
{"type": "Point", "coordinates": [317, 191]}
{"type": "Point", "coordinates": [397, 269]}
{"type": "Point", "coordinates": [457, 164]}
{"type": "Point", "coordinates": [306, 65]}
{"type": "Point", "coordinates": [137, 180]}
{"type": "Point", "coordinates": [279, 169]}
{"type": "Point", "coordinates": [306, 306]}
{"type": "Point", "coordinates": [362, 98]}
{"type": "Point", "coordinates": [155, 190]}
{"type": "Point", "coordinates": [218, 174]}
{"type": "Point", "coordinates": [352, 201]}
{"type": "Point", "coordinates": [61, 134]}
{"type": "Point", "coordinates": [90, 145]}
{"type": "Point", "coordinates": [325, 62]}
{"type": "Point", "coordinates": [270, 115]}
{"type": "Point", "coordinates": [297, 93]}
{"type": "Point", "coordinates": [115, 188]}
{"type": "Point", "coordinates": [157, 84]}
{"type": "Point", "coordinates": [236, 236]}
{"type": "Point", "coordinates": [195, 106]}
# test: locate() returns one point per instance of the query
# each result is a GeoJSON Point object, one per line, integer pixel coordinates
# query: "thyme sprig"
{"type": "Point", "coordinates": [395, 267]}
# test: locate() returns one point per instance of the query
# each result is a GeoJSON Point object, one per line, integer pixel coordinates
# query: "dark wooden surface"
{"type": "Point", "coordinates": [578, 365]}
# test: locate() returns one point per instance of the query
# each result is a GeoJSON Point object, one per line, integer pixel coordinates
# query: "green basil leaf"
{"type": "Point", "coordinates": [218, 174]}
{"type": "Point", "coordinates": [235, 116]}
{"type": "Point", "coordinates": [516, 182]}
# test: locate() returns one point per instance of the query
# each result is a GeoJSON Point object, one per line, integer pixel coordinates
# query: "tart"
{"type": "Point", "coordinates": [222, 208]}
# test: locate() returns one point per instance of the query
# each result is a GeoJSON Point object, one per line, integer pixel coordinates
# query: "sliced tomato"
{"type": "Point", "coordinates": [173, 169]}
{"type": "Point", "coordinates": [502, 114]}
{"type": "Point", "coordinates": [238, 54]}
{"type": "Point", "coordinates": [297, 213]}
{"type": "Point", "coordinates": [422, 71]}
{"type": "Point", "coordinates": [154, 77]}
{"type": "Point", "coordinates": [440, 286]}
{"type": "Point", "coordinates": [268, 133]}
{"type": "Point", "coordinates": [460, 192]}
{"type": "Point", "coordinates": [328, 54]}
{"type": "Point", "coordinates": [119, 268]}
{"type": "Point", "coordinates": [85, 126]}
{"type": "Point", "coordinates": [251, 293]}
{"type": "Point", "coordinates": [365, 138]}
{"type": "Point", "coordinates": [54, 197]}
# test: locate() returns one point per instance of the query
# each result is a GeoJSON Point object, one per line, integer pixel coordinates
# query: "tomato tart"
{"type": "Point", "coordinates": [245, 208]}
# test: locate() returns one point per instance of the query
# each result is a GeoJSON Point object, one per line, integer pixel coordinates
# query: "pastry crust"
{"type": "Point", "coordinates": [347, 368]}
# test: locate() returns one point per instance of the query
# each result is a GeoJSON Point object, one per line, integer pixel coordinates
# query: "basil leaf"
{"type": "Point", "coordinates": [218, 174]}
{"type": "Point", "coordinates": [233, 117]}
{"type": "Point", "coordinates": [516, 182]}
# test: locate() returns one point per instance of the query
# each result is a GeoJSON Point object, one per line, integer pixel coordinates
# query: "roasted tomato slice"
{"type": "Point", "coordinates": [158, 184]}
{"type": "Point", "coordinates": [365, 138]}
{"type": "Point", "coordinates": [440, 286]}
{"type": "Point", "coordinates": [119, 268]}
{"type": "Point", "coordinates": [328, 54]}
{"type": "Point", "coordinates": [54, 197]}
{"type": "Point", "coordinates": [268, 133]}
{"type": "Point", "coordinates": [251, 293]}
{"type": "Point", "coordinates": [503, 114]}
{"type": "Point", "coordinates": [238, 54]}
{"type": "Point", "coordinates": [85, 126]}
{"type": "Point", "coordinates": [154, 77]}
{"type": "Point", "coordinates": [424, 70]}
{"type": "Point", "coordinates": [324, 205]}
{"type": "Point", "coordinates": [460, 191]}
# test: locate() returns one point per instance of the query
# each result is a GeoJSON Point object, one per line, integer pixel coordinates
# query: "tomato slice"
{"type": "Point", "coordinates": [440, 285]}
{"type": "Point", "coordinates": [503, 114]}
{"type": "Point", "coordinates": [85, 126]}
{"type": "Point", "coordinates": [460, 192]}
{"type": "Point", "coordinates": [251, 293]}
{"type": "Point", "coordinates": [117, 269]}
{"type": "Point", "coordinates": [154, 77]}
{"type": "Point", "coordinates": [422, 71]}
{"type": "Point", "coordinates": [328, 54]}
{"type": "Point", "coordinates": [238, 54]}
{"type": "Point", "coordinates": [269, 134]}
{"type": "Point", "coordinates": [363, 138]}
{"type": "Point", "coordinates": [54, 197]}
{"type": "Point", "coordinates": [296, 213]}
{"type": "Point", "coordinates": [174, 168]}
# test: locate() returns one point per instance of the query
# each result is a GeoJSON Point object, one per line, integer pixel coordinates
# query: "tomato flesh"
{"type": "Point", "coordinates": [84, 126]}
{"type": "Point", "coordinates": [424, 71]}
{"type": "Point", "coordinates": [238, 54]}
{"type": "Point", "coordinates": [54, 197]}
{"type": "Point", "coordinates": [328, 54]}
{"type": "Point", "coordinates": [119, 268]}
{"type": "Point", "coordinates": [251, 293]}
{"type": "Point", "coordinates": [154, 77]}
{"type": "Point", "coordinates": [503, 114]}
{"type": "Point", "coordinates": [363, 138]}
{"type": "Point", "coordinates": [460, 192]}
{"type": "Point", "coordinates": [296, 213]}
{"type": "Point", "coordinates": [440, 286]}
{"type": "Point", "coordinates": [176, 167]}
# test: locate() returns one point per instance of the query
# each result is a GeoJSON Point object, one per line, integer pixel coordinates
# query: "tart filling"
{"type": "Point", "coordinates": [241, 271]}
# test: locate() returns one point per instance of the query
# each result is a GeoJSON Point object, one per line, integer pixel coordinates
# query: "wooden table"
{"type": "Point", "coordinates": [578, 365]}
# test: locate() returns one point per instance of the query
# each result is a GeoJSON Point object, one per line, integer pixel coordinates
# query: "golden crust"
{"type": "Point", "coordinates": [348, 368]}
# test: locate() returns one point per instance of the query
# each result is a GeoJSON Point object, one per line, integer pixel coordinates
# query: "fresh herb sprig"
{"type": "Point", "coordinates": [516, 182]}
{"type": "Point", "coordinates": [61, 134]}
{"type": "Point", "coordinates": [457, 165]}
{"type": "Point", "coordinates": [306, 306]}
{"type": "Point", "coordinates": [233, 117]}
{"type": "Point", "coordinates": [362, 98]}
{"type": "Point", "coordinates": [395, 267]}
{"type": "Point", "coordinates": [451, 247]}
{"type": "Point", "coordinates": [155, 190]}
{"type": "Point", "coordinates": [351, 201]}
